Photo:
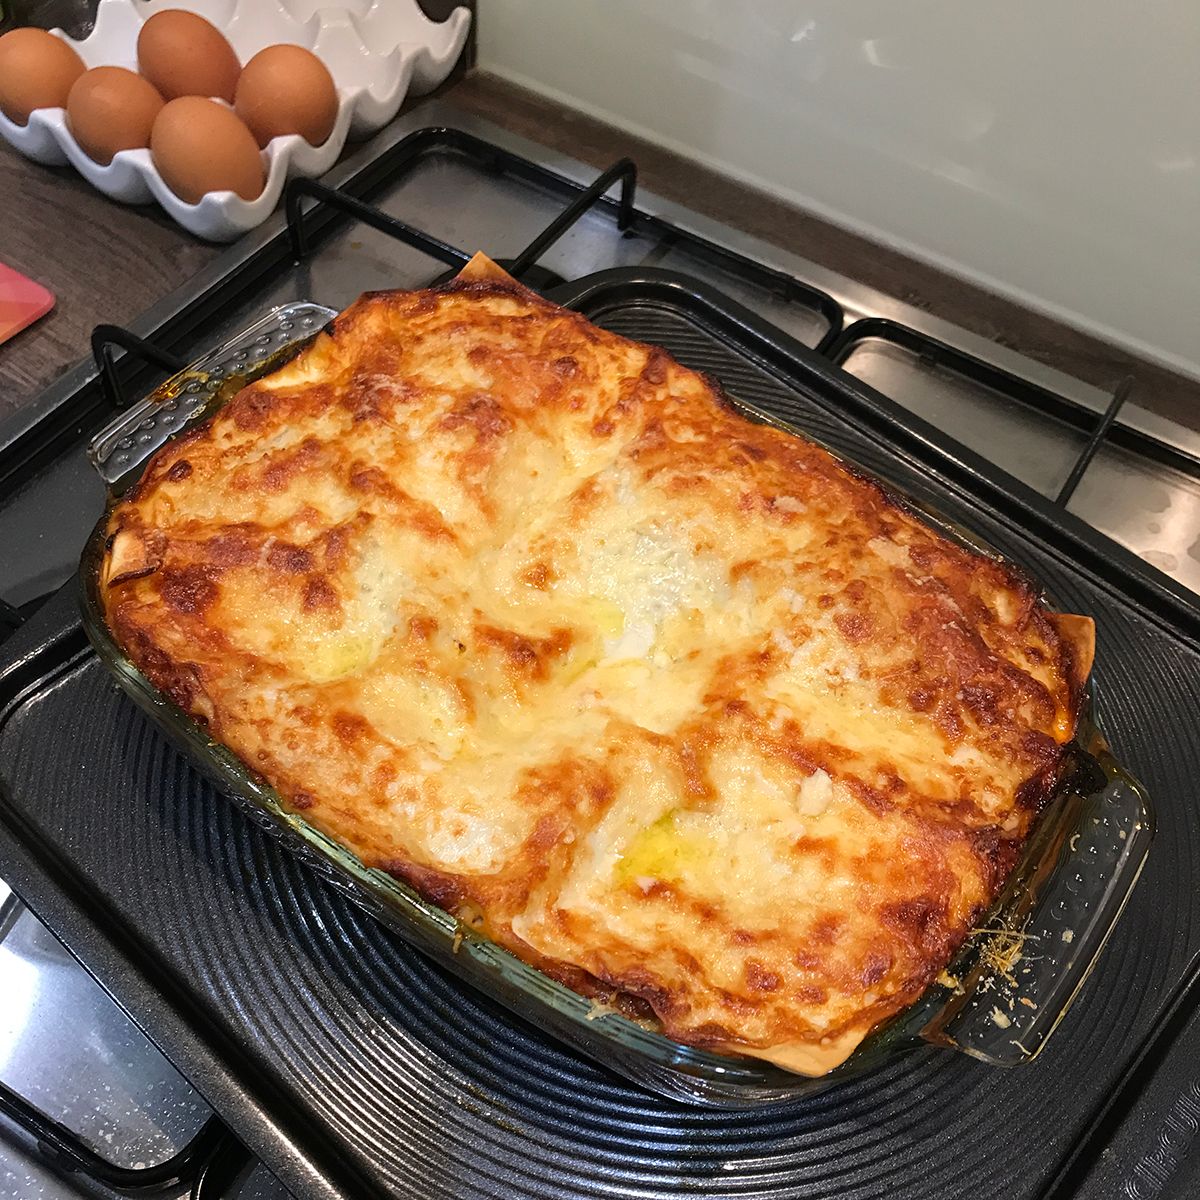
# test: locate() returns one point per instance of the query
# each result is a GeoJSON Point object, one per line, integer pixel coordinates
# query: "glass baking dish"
{"type": "Point", "coordinates": [994, 1001]}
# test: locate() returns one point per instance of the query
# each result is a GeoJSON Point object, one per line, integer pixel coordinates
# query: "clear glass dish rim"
{"type": "Point", "coordinates": [522, 988]}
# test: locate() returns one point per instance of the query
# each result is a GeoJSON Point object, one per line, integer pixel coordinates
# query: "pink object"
{"type": "Point", "coordinates": [21, 302]}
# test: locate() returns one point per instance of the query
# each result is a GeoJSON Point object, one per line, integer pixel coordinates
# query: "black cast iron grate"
{"type": "Point", "coordinates": [411, 1085]}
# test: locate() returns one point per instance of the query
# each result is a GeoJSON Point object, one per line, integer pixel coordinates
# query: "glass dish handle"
{"type": "Point", "coordinates": [1032, 973]}
{"type": "Point", "coordinates": [121, 447]}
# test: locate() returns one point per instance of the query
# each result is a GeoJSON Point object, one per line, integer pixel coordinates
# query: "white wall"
{"type": "Point", "coordinates": [1049, 149]}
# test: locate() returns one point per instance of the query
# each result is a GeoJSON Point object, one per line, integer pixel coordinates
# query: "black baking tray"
{"type": "Point", "coordinates": [356, 1067]}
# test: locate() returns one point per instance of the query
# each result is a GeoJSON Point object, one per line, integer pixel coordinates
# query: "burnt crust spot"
{"type": "Point", "coordinates": [481, 413]}
{"type": "Point", "coordinates": [921, 919]}
{"type": "Point", "coordinates": [875, 966]}
{"type": "Point", "coordinates": [289, 558]}
{"type": "Point", "coordinates": [760, 978]}
{"type": "Point", "coordinates": [132, 574]}
{"type": "Point", "coordinates": [319, 595]}
{"type": "Point", "coordinates": [188, 589]}
{"type": "Point", "coordinates": [349, 728]}
{"type": "Point", "coordinates": [656, 368]}
{"type": "Point", "coordinates": [251, 408]}
{"type": "Point", "coordinates": [234, 546]}
{"type": "Point", "coordinates": [446, 891]}
{"type": "Point", "coordinates": [529, 657]}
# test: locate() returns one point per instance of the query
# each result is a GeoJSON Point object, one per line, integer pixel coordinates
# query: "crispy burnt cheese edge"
{"type": "Point", "coordinates": [160, 615]}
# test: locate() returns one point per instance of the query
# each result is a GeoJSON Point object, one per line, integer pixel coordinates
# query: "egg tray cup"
{"type": "Point", "coordinates": [376, 50]}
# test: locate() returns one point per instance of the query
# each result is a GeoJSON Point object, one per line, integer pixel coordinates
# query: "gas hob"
{"type": "Point", "coordinates": [474, 186]}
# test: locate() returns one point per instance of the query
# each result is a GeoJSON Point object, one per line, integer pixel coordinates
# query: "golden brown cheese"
{"type": "Point", "coordinates": [524, 613]}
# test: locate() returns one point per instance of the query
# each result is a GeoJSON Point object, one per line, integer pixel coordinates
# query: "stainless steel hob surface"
{"type": "Point", "coordinates": [62, 1042]}
{"type": "Point", "coordinates": [67, 1048]}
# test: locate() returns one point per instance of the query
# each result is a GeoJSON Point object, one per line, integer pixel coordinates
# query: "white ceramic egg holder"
{"type": "Point", "coordinates": [376, 51]}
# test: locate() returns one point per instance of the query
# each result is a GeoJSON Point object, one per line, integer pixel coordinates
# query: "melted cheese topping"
{"type": "Point", "coordinates": [526, 614]}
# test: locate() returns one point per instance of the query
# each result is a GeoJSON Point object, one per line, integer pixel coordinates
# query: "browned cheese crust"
{"type": "Point", "coordinates": [674, 703]}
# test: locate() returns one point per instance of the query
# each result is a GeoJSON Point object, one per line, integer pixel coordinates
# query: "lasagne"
{"type": "Point", "coordinates": [673, 705]}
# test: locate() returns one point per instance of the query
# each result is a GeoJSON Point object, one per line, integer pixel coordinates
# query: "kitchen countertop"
{"type": "Point", "coordinates": [104, 262]}
{"type": "Point", "coordinates": [107, 262]}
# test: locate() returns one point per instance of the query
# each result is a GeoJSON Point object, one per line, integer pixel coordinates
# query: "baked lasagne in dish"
{"type": "Point", "coordinates": [673, 705]}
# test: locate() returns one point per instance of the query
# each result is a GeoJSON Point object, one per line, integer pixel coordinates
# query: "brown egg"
{"type": "Point", "coordinates": [185, 55]}
{"type": "Point", "coordinates": [201, 146]}
{"type": "Point", "coordinates": [111, 109]}
{"type": "Point", "coordinates": [287, 89]}
{"type": "Point", "coordinates": [36, 71]}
